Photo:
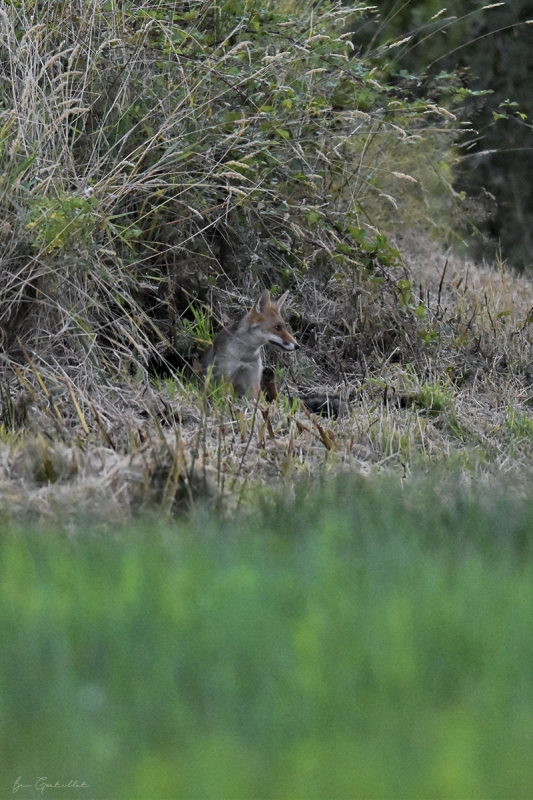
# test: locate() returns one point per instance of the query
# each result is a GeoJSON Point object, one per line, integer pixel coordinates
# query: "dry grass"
{"type": "Point", "coordinates": [158, 170]}
{"type": "Point", "coordinates": [462, 400]}
{"type": "Point", "coordinates": [149, 155]}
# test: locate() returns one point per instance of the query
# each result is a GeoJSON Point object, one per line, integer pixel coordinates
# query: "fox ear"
{"type": "Point", "coordinates": [263, 303]}
{"type": "Point", "coordinates": [281, 300]}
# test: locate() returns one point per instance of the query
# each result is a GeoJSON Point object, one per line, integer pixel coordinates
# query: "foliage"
{"type": "Point", "coordinates": [485, 51]}
{"type": "Point", "coordinates": [151, 151]}
{"type": "Point", "coordinates": [348, 643]}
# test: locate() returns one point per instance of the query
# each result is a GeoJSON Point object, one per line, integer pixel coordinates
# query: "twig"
{"type": "Point", "coordinates": [441, 283]}
{"type": "Point", "coordinates": [249, 437]}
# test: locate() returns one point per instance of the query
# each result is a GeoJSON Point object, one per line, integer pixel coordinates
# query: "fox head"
{"type": "Point", "coordinates": [266, 321]}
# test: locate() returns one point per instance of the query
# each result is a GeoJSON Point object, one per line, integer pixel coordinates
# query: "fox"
{"type": "Point", "coordinates": [235, 355]}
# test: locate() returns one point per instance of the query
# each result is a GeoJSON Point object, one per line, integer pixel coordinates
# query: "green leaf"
{"type": "Point", "coordinates": [344, 248]}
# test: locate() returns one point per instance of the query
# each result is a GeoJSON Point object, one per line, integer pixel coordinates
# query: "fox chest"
{"type": "Point", "coordinates": [245, 358]}
{"type": "Point", "coordinates": [243, 366]}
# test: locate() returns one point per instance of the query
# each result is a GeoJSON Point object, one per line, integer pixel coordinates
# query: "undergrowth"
{"type": "Point", "coordinates": [156, 157]}
{"type": "Point", "coordinates": [160, 165]}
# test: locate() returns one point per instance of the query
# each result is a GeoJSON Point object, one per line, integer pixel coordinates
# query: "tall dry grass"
{"type": "Point", "coordinates": [160, 164]}
{"type": "Point", "coordinates": [153, 151]}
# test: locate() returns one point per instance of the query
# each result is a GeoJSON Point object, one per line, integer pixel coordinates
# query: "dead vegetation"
{"type": "Point", "coordinates": [460, 397]}
{"type": "Point", "coordinates": [158, 170]}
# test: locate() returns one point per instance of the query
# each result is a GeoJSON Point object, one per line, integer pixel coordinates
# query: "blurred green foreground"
{"type": "Point", "coordinates": [353, 642]}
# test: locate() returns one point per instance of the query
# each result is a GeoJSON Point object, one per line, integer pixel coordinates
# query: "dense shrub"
{"type": "Point", "coordinates": [151, 151]}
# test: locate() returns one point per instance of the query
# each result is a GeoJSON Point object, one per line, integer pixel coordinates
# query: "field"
{"type": "Point", "coordinates": [203, 596]}
{"type": "Point", "coordinates": [355, 642]}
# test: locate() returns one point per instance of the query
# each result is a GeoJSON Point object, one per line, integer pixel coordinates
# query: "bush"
{"type": "Point", "coordinates": [156, 154]}
{"type": "Point", "coordinates": [489, 46]}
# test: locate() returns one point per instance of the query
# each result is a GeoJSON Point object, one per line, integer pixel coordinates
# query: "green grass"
{"type": "Point", "coordinates": [351, 643]}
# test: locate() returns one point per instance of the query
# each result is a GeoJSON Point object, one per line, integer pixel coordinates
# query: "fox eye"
{"type": "Point", "coordinates": [278, 328]}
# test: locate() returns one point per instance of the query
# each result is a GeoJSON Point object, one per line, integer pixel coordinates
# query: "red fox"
{"type": "Point", "coordinates": [235, 355]}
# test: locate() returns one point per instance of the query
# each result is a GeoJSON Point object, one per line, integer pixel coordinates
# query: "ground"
{"type": "Point", "coordinates": [454, 388]}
